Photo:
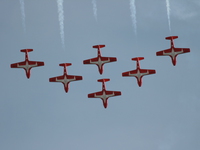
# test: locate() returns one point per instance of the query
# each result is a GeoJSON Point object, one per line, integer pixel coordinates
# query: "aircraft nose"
{"type": "Point", "coordinates": [174, 62]}
{"type": "Point", "coordinates": [140, 82]}
{"type": "Point", "coordinates": [66, 88]}
{"type": "Point", "coordinates": [105, 104]}
{"type": "Point", "coordinates": [28, 75]}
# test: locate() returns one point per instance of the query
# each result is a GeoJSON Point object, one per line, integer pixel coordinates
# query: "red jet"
{"type": "Point", "coordinates": [65, 78]}
{"type": "Point", "coordinates": [172, 52]}
{"type": "Point", "coordinates": [104, 94]}
{"type": "Point", "coordinates": [138, 73]}
{"type": "Point", "coordinates": [99, 60]}
{"type": "Point", "coordinates": [27, 64]}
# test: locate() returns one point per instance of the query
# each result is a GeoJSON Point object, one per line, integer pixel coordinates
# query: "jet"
{"type": "Point", "coordinates": [104, 94]}
{"type": "Point", "coordinates": [65, 78]}
{"type": "Point", "coordinates": [27, 64]}
{"type": "Point", "coordinates": [172, 52]}
{"type": "Point", "coordinates": [99, 60]}
{"type": "Point", "coordinates": [138, 73]}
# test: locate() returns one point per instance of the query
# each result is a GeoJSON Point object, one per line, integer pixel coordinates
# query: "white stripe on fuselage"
{"type": "Point", "coordinates": [65, 80]}
{"type": "Point", "coordinates": [173, 53]}
{"type": "Point", "coordinates": [99, 62]}
{"type": "Point", "coordinates": [27, 66]}
{"type": "Point", "coordinates": [104, 97]}
{"type": "Point", "coordinates": [139, 74]}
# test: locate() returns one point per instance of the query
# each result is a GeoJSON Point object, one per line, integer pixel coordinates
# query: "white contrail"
{"type": "Point", "coordinates": [23, 14]}
{"type": "Point", "coordinates": [94, 3]}
{"type": "Point", "coordinates": [168, 14]}
{"type": "Point", "coordinates": [133, 15]}
{"type": "Point", "coordinates": [61, 21]}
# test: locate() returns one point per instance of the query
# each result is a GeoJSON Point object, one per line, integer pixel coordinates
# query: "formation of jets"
{"type": "Point", "coordinates": [100, 61]}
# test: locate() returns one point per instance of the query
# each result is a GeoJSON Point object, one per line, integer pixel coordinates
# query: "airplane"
{"type": "Point", "coordinates": [172, 52]}
{"type": "Point", "coordinates": [27, 64]}
{"type": "Point", "coordinates": [104, 94]}
{"type": "Point", "coordinates": [138, 73]}
{"type": "Point", "coordinates": [99, 60]}
{"type": "Point", "coordinates": [65, 78]}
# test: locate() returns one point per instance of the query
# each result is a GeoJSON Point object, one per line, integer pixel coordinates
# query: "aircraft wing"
{"type": "Point", "coordinates": [36, 63]}
{"type": "Point", "coordinates": [74, 78]}
{"type": "Point", "coordinates": [108, 59]}
{"type": "Point", "coordinates": [169, 51]}
{"type": "Point", "coordinates": [18, 64]}
{"type": "Point", "coordinates": [90, 61]}
{"type": "Point", "coordinates": [102, 59]}
{"type": "Point", "coordinates": [129, 73]}
{"type": "Point", "coordinates": [183, 50]}
{"type": "Point", "coordinates": [66, 79]}
{"type": "Point", "coordinates": [147, 71]}
{"type": "Point", "coordinates": [95, 94]}
{"type": "Point", "coordinates": [138, 73]}
{"type": "Point", "coordinates": [163, 52]}
{"type": "Point", "coordinates": [113, 93]}
{"type": "Point", "coordinates": [56, 79]}
{"type": "Point", "coordinates": [107, 93]}
{"type": "Point", "coordinates": [27, 63]}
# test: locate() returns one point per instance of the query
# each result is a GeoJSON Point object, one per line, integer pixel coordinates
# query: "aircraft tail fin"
{"type": "Point", "coordinates": [138, 58]}
{"type": "Point", "coordinates": [103, 80]}
{"type": "Point", "coordinates": [26, 50]}
{"type": "Point", "coordinates": [171, 37]}
{"type": "Point", "coordinates": [65, 64]}
{"type": "Point", "coordinates": [98, 46]}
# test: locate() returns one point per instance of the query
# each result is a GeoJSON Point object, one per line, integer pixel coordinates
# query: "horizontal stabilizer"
{"type": "Point", "coordinates": [171, 37]}
{"type": "Point", "coordinates": [138, 58]}
{"type": "Point", "coordinates": [26, 50]}
{"type": "Point", "coordinates": [98, 46]}
{"type": "Point", "coordinates": [65, 64]}
{"type": "Point", "coordinates": [103, 80]}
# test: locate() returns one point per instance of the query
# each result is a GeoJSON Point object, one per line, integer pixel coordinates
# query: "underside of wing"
{"type": "Point", "coordinates": [36, 63]}
{"type": "Point", "coordinates": [56, 79]}
{"type": "Point", "coordinates": [114, 93]}
{"type": "Point", "coordinates": [16, 65]}
{"type": "Point", "coordinates": [74, 77]}
{"type": "Point", "coordinates": [109, 59]}
{"type": "Point", "coordinates": [163, 52]}
{"type": "Point", "coordinates": [183, 50]}
{"type": "Point", "coordinates": [89, 61]}
{"type": "Point", "coordinates": [93, 95]}
{"type": "Point", "coordinates": [147, 71]}
{"type": "Point", "coordinates": [129, 73]}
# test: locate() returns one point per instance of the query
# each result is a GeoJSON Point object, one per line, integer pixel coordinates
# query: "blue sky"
{"type": "Point", "coordinates": [163, 114]}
